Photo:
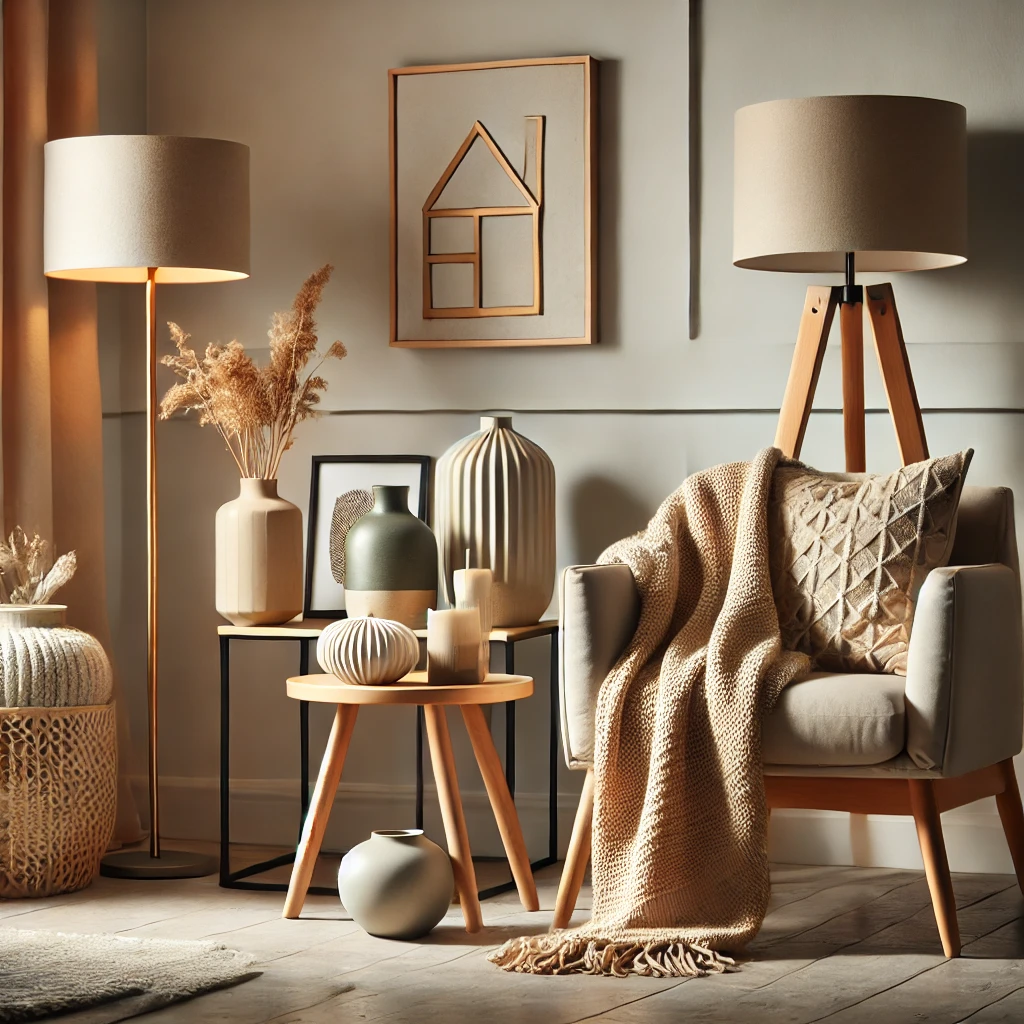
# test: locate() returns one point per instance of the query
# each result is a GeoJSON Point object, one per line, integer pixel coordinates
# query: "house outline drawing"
{"type": "Point", "coordinates": [532, 206]}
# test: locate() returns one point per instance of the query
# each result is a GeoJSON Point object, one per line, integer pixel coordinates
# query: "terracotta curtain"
{"type": "Point", "coordinates": [51, 442]}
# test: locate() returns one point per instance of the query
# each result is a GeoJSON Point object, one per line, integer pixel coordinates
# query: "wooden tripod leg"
{"type": "Point", "coordinates": [320, 808]}
{"type": "Point", "coordinates": [851, 326]}
{"type": "Point", "coordinates": [1012, 816]}
{"type": "Point", "coordinates": [576, 859]}
{"type": "Point", "coordinates": [894, 365]}
{"type": "Point", "coordinates": [936, 866]}
{"type": "Point", "coordinates": [815, 324]}
{"type": "Point", "coordinates": [443, 761]}
{"type": "Point", "coordinates": [502, 804]}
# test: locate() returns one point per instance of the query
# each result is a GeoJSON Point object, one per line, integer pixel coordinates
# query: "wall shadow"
{"type": "Point", "coordinates": [995, 211]}
{"type": "Point", "coordinates": [603, 511]}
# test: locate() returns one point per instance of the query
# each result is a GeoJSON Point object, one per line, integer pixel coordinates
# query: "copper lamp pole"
{"type": "Point", "coordinates": [148, 208]}
{"type": "Point", "coordinates": [152, 566]}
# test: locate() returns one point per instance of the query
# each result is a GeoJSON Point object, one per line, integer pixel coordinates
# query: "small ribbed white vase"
{"type": "Point", "coordinates": [367, 651]}
{"type": "Point", "coordinates": [44, 663]}
{"type": "Point", "coordinates": [495, 496]}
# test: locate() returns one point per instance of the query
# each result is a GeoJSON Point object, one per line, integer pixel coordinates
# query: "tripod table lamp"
{"type": "Point", "coordinates": [152, 209]}
{"type": "Point", "coordinates": [836, 184]}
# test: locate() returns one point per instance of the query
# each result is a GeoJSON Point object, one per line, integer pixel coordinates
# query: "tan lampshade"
{"type": "Point", "coordinates": [116, 205]}
{"type": "Point", "coordinates": [884, 177]}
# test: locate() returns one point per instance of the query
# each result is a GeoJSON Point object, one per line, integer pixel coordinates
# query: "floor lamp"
{"type": "Point", "coordinates": [157, 209]}
{"type": "Point", "coordinates": [840, 184]}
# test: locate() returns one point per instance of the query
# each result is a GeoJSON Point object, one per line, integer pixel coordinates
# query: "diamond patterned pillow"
{"type": "Point", "coordinates": [850, 552]}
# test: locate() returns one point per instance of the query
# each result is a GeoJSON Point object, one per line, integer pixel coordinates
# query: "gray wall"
{"type": "Point", "coordinates": [303, 84]}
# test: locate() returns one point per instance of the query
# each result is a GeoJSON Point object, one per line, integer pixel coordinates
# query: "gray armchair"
{"type": "Point", "coordinates": [942, 736]}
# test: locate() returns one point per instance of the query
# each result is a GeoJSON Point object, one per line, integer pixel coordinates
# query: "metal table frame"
{"type": "Point", "coordinates": [304, 635]}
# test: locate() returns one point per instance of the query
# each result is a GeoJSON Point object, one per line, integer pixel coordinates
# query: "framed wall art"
{"type": "Point", "coordinates": [493, 203]}
{"type": "Point", "coordinates": [340, 491]}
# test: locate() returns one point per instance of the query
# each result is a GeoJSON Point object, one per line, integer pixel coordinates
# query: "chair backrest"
{"type": "Point", "coordinates": [985, 530]}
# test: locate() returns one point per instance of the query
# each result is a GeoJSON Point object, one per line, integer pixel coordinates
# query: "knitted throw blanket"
{"type": "Point", "coordinates": [680, 863]}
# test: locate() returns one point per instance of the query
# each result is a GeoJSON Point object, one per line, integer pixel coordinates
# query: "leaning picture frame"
{"type": "Point", "coordinates": [350, 478]}
{"type": "Point", "coordinates": [493, 182]}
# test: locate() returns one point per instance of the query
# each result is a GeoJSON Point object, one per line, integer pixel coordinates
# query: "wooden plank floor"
{"type": "Point", "coordinates": [843, 945]}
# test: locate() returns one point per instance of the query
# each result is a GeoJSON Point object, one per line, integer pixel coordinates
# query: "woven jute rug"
{"type": "Point", "coordinates": [47, 973]}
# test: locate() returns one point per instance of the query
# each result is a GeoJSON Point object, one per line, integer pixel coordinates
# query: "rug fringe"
{"type": "Point", "coordinates": [552, 954]}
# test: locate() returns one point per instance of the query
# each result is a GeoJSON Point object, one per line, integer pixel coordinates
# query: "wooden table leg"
{"type": "Point", "coordinates": [443, 761]}
{"type": "Point", "coordinates": [501, 803]}
{"type": "Point", "coordinates": [320, 809]}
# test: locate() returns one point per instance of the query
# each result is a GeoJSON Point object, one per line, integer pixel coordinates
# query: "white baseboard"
{"type": "Point", "coordinates": [974, 839]}
{"type": "Point", "coordinates": [265, 812]}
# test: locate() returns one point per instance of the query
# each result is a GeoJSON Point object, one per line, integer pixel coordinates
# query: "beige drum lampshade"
{"type": "Point", "coordinates": [884, 177]}
{"type": "Point", "coordinates": [116, 205]}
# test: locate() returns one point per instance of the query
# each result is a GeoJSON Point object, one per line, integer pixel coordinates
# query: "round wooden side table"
{"type": "Point", "coordinates": [414, 689]}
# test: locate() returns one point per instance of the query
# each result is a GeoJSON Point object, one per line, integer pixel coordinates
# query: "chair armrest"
{"type": "Point", "coordinates": [599, 608]}
{"type": "Point", "coordinates": [965, 681]}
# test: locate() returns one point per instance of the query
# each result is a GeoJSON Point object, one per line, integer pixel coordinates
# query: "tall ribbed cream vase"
{"type": "Point", "coordinates": [495, 496]}
{"type": "Point", "coordinates": [259, 556]}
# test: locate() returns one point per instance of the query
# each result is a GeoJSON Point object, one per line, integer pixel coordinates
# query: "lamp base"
{"type": "Point", "coordinates": [819, 308]}
{"type": "Point", "coordinates": [170, 864]}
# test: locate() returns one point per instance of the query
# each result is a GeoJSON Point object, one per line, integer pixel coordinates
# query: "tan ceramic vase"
{"type": "Point", "coordinates": [495, 497]}
{"type": "Point", "coordinates": [259, 557]}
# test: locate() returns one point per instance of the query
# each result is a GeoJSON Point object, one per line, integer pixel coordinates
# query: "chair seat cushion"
{"type": "Point", "coordinates": [836, 719]}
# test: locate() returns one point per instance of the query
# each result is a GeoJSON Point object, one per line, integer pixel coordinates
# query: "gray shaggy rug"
{"type": "Point", "coordinates": [48, 973]}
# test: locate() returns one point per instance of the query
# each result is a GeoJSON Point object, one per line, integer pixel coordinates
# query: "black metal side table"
{"type": "Point", "coordinates": [305, 631]}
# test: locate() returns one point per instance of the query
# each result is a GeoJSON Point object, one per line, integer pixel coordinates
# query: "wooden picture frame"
{"type": "Point", "coordinates": [321, 593]}
{"type": "Point", "coordinates": [486, 319]}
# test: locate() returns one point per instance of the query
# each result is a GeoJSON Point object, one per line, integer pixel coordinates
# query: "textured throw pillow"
{"type": "Point", "coordinates": [849, 554]}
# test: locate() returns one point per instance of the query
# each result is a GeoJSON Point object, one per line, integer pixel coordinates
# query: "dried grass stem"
{"type": "Point", "coordinates": [255, 409]}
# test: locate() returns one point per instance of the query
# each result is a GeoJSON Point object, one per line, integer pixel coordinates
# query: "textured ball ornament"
{"type": "Point", "coordinates": [368, 651]}
{"type": "Point", "coordinates": [47, 665]}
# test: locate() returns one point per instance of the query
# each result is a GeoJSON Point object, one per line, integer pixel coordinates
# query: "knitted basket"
{"type": "Point", "coordinates": [58, 791]}
{"type": "Point", "coordinates": [46, 664]}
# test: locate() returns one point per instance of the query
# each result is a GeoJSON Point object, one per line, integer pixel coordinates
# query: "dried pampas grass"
{"type": "Point", "coordinates": [28, 574]}
{"type": "Point", "coordinates": [255, 409]}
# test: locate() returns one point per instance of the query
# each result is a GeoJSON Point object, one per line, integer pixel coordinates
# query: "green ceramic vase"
{"type": "Point", "coordinates": [391, 562]}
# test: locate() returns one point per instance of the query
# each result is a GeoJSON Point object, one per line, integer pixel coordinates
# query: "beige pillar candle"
{"type": "Point", "coordinates": [473, 590]}
{"type": "Point", "coordinates": [453, 647]}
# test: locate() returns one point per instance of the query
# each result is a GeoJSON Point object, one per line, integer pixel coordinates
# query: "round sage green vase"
{"type": "Point", "coordinates": [397, 884]}
{"type": "Point", "coordinates": [391, 562]}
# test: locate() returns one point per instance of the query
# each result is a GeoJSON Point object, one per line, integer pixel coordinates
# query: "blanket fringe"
{"type": "Point", "coordinates": [552, 954]}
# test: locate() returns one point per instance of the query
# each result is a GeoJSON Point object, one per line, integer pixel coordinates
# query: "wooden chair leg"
{"type": "Point", "coordinates": [443, 761]}
{"type": "Point", "coordinates": [894, 364]}
{"type": "Point", "coordinates": [1012, 817]}
{"type": "Point", "coordinates": [576, 859]}
{"type": "Point", "coordinates": [936, 866]}
{"type": "Point", "coordinates": [315, 825]}
{"type": "Point", "coordinates": [501, 803]}
{"type": "Point", "coordinates": [811, 341]}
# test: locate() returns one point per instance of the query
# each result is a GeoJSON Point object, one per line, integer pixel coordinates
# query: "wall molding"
{"type": "Point", "coordinates": [739, 411]}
